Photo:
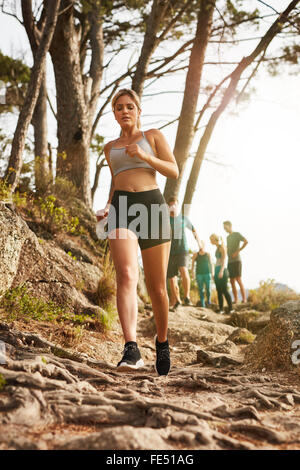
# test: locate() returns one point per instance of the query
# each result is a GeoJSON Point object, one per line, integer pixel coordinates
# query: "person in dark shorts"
{"type": "Point", "coordinates": [179, 254]}
{"type": "Point", "coordinates": [221, 273]}
{"type": "Point", "coordinates": [203, 274]}
{"type": "Point", "coordinates": [134, 219]}
{"type": "Point", "coordinates": [234, 259]}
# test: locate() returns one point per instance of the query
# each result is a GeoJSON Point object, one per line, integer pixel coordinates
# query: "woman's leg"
{"type": "Point", "coordinates": [186, 281]}
{"type": "Point", "coordinates": [207, 286]}
{"type": "Point", "coordinates": [218, 283]}
{"type": "Point", "coordinates": [124, 255]}
{"type": "Point", "coordinates": [199, 278]}
{"type": "Point", "coordinates": [174, 288]}
{"type": "Point", "coordinates": [155, 262]}
{"type": "Point", "coordinates": [225, 289]}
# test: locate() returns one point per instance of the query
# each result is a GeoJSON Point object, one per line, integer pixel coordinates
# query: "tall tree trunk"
{"type": "Point", "coordinates": [96, 67]}
{"type": "Point", "coordinates": [26, 113]}
{"type": "Point", "coordinates": [158, 11]}
{"type": "Point", "coordinates": [185, 131]}
{"type": "Point", "coordinates": [72, 117]}
{"type": "Point", "coordinates": [76, 96]}
{"type": "Point", "coordinates": [42, 170]}
{"type": "Point", "coordinates": [229, 93]}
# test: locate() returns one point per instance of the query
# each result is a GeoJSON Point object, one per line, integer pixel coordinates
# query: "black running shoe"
{"type": "Point", "coordinates": [131, 358]}
{"type": "Point", "coordinates": [175, 307]}
{"type": "Point", "coordinates": [163, 362]}
{"type": "Point", "coordinates": [187, 301]}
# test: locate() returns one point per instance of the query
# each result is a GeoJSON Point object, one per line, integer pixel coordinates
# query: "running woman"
{"type": "Point", "coordinates": [133, 159]}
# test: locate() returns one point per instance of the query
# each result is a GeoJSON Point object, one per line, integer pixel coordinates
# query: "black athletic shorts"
{"type": "Point", "coordinates": [175, 262]}
{"type": "Point", "coordinates": [235, 269]}
{"type": "Point", "coordinates": [145, 213]}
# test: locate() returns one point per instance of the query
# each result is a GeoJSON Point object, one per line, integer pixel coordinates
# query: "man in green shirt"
{"type": "Point", "coordinates": [179, 254]}
{"type": "Point", "coordinates": [234, 259]}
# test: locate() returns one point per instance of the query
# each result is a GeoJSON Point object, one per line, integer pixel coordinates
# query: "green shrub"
{"type": "Point", "coordinates": [2, 381]}
{"type": "Point", "coordinates": [106, 287]}
{"type": "Point", "coordinates": [55, 218]}
{"type": "Point", "coordinates": [5, 193]}
{"type": "Point", "coordinates": [268, 296]}
{"type": "Point", "coordinates": [19, 304]}
{"type": "Point", "coordinates": [64, 189]}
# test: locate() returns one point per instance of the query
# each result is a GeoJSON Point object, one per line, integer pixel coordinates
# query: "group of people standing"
{"type": "Point", "coordinates": [179, 262]}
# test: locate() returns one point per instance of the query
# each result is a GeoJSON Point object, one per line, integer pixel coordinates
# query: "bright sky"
{"type": "Point", "coordinates": [258, 189]}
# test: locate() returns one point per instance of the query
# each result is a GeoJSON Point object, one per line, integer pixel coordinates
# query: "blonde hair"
{"type": "Point", "coordinates": [217, 238]}
{"type": "Point", "coordinates": [133, 95]}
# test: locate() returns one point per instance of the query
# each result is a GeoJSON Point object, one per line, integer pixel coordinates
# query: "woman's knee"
{"type": "Point", "coordinates": [158, 290]}
{"type": "Point", "coordinates": [127, 275]}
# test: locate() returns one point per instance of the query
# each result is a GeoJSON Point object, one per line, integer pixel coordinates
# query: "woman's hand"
{"type": "Point", "coordinates": [220, 275]}
{"type": "Point", "coordinates": [134, 150]}
{"type": "Point", "coordinates": [102, 213]}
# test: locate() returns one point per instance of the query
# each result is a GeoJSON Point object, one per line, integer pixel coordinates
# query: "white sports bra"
{"type": "Point", "coordinates": [121, 161]}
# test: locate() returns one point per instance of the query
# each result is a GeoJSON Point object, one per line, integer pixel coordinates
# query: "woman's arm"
{"type": "Point", "coordinates": [164, 161]}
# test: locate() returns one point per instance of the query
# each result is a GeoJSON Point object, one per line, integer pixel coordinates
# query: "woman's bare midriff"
{"type": "Point", "coordinates": [137, 179]}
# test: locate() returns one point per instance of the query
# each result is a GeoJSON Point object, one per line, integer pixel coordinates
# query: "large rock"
{"type": "Point", "coordinates": [278, 345]}
{"type": "Point", "coordinates": [12, 236]}
{"type": "Point", "coordinates": [251, 319]}
{"type": "Point", "coordinates": [46, 269]}
{"type": "Point", "coordinates": [186, 325]}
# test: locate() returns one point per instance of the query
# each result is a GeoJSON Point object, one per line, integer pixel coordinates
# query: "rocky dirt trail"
{"type": "Point", "coordinates": [55, 398]}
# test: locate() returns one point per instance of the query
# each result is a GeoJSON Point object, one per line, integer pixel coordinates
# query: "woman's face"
{"type": "Point", "coordinates": [126, 111]}
{"type": "Point", "coordinates": [213, 240]}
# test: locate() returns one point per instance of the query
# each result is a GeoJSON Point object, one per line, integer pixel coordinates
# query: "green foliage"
{"type": "Point", "coordinates": [268, 296]}
{"type": "Point", "coordinates": [19, 199]}
{"type": "Point", "coordinates": [55, 218]}
{"type": "Point", "coordinates": [292, 54]}
{"type": "Point", "coordinates": [15, 75]}
{"type": "Point", "coordinates": [2, 381]}
{"type": "Point", "coordinates": [106, 288]}
{"type": "Point", "coordinates": [19, 304]}
{"type": "Point", "coordinates": [236, 14]}
{"type": "Point", "coordinates": [104, 321]}
{"type": "Point", "coordinates": [5, 193]}
{"type": "Point", "coordinates": [97, 144]}
{"type": "Point", "coordinates": [71, 255]}
{"type": "Point", "coordinates": [64, 189]}
{"type": "Point", "coordinates": [13, 70]}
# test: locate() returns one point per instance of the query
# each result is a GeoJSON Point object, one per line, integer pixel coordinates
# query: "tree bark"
{"type": "Point", "coordinates": [228, 95]}
{"type": "Point", "coordinates": [77, 96]}
{"type": "Point", "coordinates": [157, 14]}
{"type": "Point", "coordinates": [42, 171]}
{"type": "Point", "coordinates": [25, 116]}
{"type": "Point", "coordinates": [185, 131]}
